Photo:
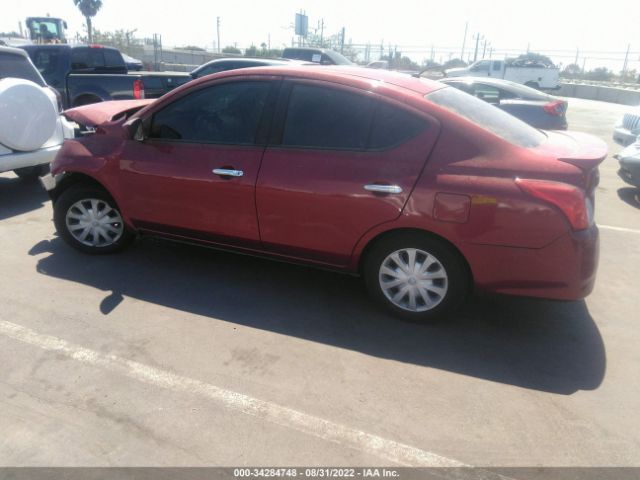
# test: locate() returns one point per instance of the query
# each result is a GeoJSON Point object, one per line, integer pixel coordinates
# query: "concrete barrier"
{"type": "Point", "coordinates": [622, 96]}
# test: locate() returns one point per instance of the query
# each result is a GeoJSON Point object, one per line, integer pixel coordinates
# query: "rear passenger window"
{"type": "Point", "coordinates": [393, 126]}
{"type": "Point", "coordinates": [85, 57]}
{"type": "Point", "coordinates": [112, 58]}
{"type": "Point", "coordinates": [327, 118]}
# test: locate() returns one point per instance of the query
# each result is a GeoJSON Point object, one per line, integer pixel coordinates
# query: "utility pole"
{"type": "Point", "coordinates": [577, 54]}
{"type": "Point", "coordinates": [218, 30]}
{"type": "Point", "coordinates": [475, 55]}
{"type": "Point", "coordinates": [342, 41]}
{"type": "Point", "coordinates": [484, 49]}
{"type": "Point", "coordinates": [322, 33]}
{"type": "Point", "coordinates": [269, 41]}
{"type": "Point", "coordinates": [626, 61]}
{"type": "Point", "coordinates": [464, 40]}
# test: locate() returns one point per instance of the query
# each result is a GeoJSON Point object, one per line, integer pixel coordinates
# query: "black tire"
{"type": "Point", "coordinates": [69, 199]}
{"type": "Point", "coordinates": [31, 174]}
{"type": "Point", "coordinates": [533, 85]}
{"type": "Point", "coordinates": [457, 281]}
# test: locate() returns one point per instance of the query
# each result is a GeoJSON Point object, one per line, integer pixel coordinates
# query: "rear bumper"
{"type": "Point", "coordinates": [13, 161]}
{"type": "Point", "coordinates": [623, 136]}
{"type": "Point", "coordinates": [564, 270]}
{"type": "Point", "coordinates": [630, 172]}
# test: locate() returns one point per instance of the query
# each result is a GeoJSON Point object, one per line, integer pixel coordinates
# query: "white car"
{"type": "Point", "coordinates": [627, 130]}
{"type": "Point", "coordinates": [31, 127]}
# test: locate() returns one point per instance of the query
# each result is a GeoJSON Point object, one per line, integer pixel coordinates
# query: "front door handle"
{"type": "Point", "coordinates": [374, 187]}
{"type": "Point", "coordinates": [227, 172]}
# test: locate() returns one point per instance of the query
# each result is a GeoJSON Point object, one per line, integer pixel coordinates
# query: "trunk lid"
{"type": "Point", "coordinates": [578, 149]}
{"type": "Point", "coordinates": [97, 114]}
{"type": "Point", "coordinates": [583, 151]}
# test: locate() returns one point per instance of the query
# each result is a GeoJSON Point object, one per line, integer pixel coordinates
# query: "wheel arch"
{"type": "Point", "coordinates": [70, 179]}
{"type": "Point", "coordinates": [362, 257]}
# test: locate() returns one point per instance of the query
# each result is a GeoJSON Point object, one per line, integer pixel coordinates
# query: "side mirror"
{"type": "Point", "coordinates": [135, 130]}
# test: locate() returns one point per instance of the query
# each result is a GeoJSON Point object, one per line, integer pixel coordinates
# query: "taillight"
{"type": "Point", "coordinates": [138, 89]}
{"type": "Point", "coordinates": [555, 108]}
{"type": "Point", "coordinates": [571, 201]}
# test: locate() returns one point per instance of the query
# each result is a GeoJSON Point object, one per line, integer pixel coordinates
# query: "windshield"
{"type": "Point", "coordinates": [45, 30]}
{"type": "Point", "coordinates": [487, 116]}
{"type": "Point", "coordinates": [17, 66]}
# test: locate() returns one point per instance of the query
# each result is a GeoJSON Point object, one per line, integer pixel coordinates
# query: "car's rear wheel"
{"type": "Point", "coordinates": [416, 277]}
{"type": "Point", "coordinates": [89, 220]}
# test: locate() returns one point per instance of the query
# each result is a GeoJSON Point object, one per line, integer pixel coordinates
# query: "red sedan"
{"type": "Point", "coordinates": [422, 189]}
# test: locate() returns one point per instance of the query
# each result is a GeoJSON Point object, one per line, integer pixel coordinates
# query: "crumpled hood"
{"type": "Point", "coordinates": [100, 113]}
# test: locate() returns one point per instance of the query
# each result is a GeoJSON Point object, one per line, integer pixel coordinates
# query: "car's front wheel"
{"type": "Point", "coordinates": [89, 220]}
{"type": "Point", "coordinates": [416, 277]}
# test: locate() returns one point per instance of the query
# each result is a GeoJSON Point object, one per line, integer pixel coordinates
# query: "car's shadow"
{"type": "Point", "coordinates": [630, 195]}
{"type": "Point", "coordinates": [549, 346]}
{"type": "Point", "coordinates": [19, 196]}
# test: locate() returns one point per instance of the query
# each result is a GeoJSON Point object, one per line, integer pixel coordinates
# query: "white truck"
{"type": "Point", "coordinates": [536, 75]}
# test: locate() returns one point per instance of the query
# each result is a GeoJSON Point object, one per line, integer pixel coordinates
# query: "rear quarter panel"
{"type": "Point", "coordinates": [468, 161]}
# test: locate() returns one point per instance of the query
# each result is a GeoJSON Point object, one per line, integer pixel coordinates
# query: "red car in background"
{"type": "Point", "coordinates": [422, 189]}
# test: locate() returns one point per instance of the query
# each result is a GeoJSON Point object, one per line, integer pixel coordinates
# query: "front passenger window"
{"type": "Point", "coordinates": [228, 114]}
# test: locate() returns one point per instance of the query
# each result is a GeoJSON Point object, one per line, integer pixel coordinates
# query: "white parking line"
{"type": "Point", "coordinates": [618, 229]}
{"type": "Point", "coordinates": [393, 451]}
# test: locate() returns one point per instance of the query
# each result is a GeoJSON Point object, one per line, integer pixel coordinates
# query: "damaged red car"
{"type": "Point", "coordinates": [423, 190]}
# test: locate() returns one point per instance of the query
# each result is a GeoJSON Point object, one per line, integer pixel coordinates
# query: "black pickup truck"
{"type": "Point", "coordinates": [86, 74]}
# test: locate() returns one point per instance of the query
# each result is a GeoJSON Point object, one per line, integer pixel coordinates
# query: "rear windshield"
{"type": "Point", "coordinates": [522, 91]}
{"type": "Point", "coordinates": [12, 65]}
{"type": "Point", "coordinates": [487, 116]}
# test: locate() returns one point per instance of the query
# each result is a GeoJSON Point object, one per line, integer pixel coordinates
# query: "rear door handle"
{"type": "Point", "coordinates": [374, 187]}
{"type": "Point", "coordinates": [226, 172]}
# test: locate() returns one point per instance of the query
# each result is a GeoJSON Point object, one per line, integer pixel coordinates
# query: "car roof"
{"type": "Point", "coordinates": [66, 46]}
{"type": "Point", "coordinates": [274, 61]}
{"type": "Point", "coordinates": [308, 49]}
{"type": "Point", "coordinates": [350, 75]}
{"type": "Point", "coordinates": [15, 51]}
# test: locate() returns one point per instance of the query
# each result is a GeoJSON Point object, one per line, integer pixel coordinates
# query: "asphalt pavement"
{"type": "Point", "coordinates": [174, 355]}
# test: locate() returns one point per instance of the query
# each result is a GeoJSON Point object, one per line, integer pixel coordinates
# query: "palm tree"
{"type": "Point", "coordinates": [88, 8]}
